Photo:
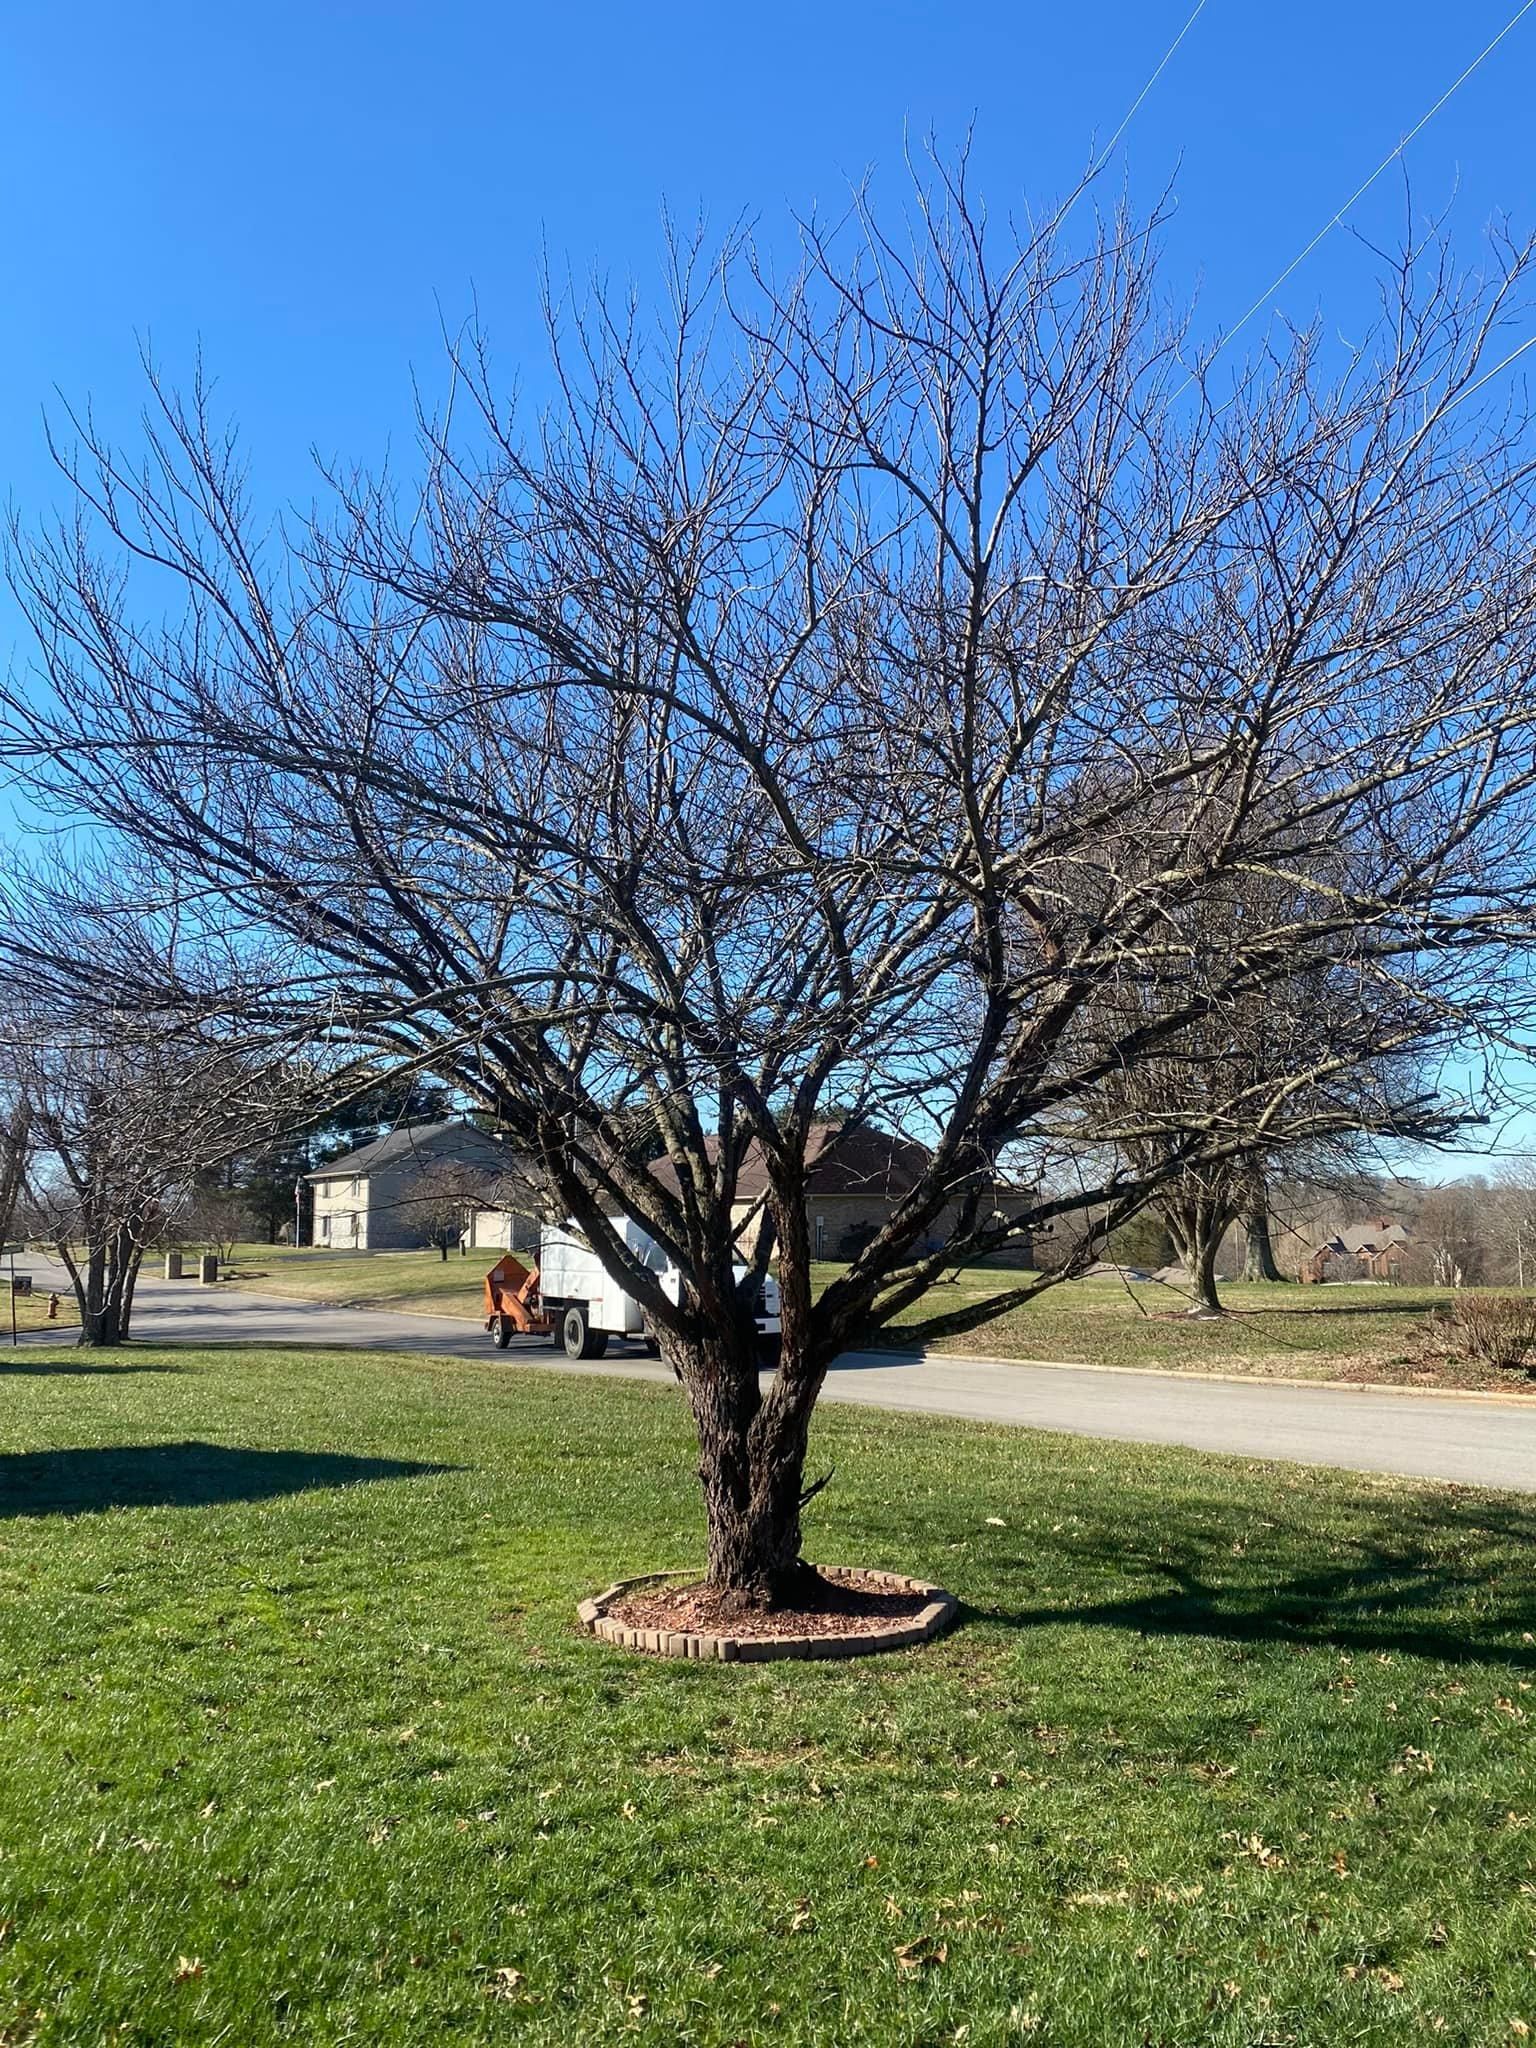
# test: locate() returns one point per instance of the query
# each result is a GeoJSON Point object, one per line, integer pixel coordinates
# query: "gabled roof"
{"type": "Point", "coordinates": [427, 1144]}
{"type": "Point", "coordinates": [1366, 1240]}
{"type": "Point", "coordinates": [1378, 1235]}
{"type": "Point", "coordinates": [841, 1159]}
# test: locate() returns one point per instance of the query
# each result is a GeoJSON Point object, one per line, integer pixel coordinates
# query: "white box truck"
{"type": "Point", "coordinates": [587, 1306]}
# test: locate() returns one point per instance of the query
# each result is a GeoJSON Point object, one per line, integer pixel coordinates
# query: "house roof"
{"type": "Point", "coordinates": [1364, 1240]}
{"type": "Point", "coordinates": [426, 1143]}
{"type": "Point", "coordinates": [841, 1159]}
{"type": "Point", "coordinates": [1376, 1236]}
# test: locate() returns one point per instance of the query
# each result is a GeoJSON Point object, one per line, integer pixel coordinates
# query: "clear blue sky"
{"type": "Point", "coordinates": [299, 189]}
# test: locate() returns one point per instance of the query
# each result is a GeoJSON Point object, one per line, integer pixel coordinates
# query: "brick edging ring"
{"type": "Point", "coordinates": [705, 1647]}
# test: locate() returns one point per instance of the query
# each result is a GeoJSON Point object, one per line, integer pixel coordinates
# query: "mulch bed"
{"type": "Point", "coordinates": [852, 1606]}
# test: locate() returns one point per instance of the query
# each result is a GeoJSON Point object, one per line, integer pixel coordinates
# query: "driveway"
{"type": "Point", "coordinates": [1476, 1441]}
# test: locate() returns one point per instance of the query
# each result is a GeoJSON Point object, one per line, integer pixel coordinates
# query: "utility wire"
{"type": "Point", "coordinates": [1488, 375]}
{"type": "Point", "coordinates": [1361, 189]}
{"type": "Point", "coordinates": [1135, 107]}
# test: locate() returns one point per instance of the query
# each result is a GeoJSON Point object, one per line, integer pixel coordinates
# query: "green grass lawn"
{"type": "Point", "coordinates": [32, 1313]}
{"type": "Point", "coordinates": [299, 1741]}
{"type": "Point", "coordinates": [1391, 1334]}
{"type": "Point", "coordinates": [411, 1283]}
{"type": "Point", "coordinates": [1374, 1333]}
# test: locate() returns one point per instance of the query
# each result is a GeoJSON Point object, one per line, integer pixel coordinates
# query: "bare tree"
{"type": "Point", "coordinates": [15, 1145]}
{"type": "Point", "coordinates": [124, 1111]}
{"type": "Point", "coordinates": [214, 1215]}
{"type": "Point", "coordinates": [735, 736]}
{"type": "Point", "coordinates": [441, 1201]}
{"type": "Point", "coordinates": [1300, 1074]}
{"type": "Point", "coordinates": [1451, 1230]}
{"type": "Point", "coordinates": [1512, 1220]}
{"type": "Point", "coordinates": [1258, 1236]}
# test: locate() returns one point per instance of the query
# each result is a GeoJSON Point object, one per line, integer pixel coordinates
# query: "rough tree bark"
{"type": "Point", "coordinates": [751, 1467]}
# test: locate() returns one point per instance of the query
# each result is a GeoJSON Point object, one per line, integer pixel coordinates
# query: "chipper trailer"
{"type": "Point", "coordinates": [570, 1296]}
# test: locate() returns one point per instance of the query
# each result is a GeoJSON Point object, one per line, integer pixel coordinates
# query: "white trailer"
{"type": "Point", "coordinates": [587, 1305]}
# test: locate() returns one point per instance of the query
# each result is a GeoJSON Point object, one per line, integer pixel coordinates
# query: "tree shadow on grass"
{"type": "Point", "coordinates": [1243, 1313]}
{"type": "Point", "coordinates": [85, 1481]}
{"type": "Point", "coordinates": [1436, 1578]}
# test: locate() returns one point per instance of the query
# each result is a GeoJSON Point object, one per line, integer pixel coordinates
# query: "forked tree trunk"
{"type": "Point", "coordinates": [1197, 1228]}
{"type": "Point", "coordinates": [751, 1467]}
{"type": "Point", "coordinates": [104, 1284]}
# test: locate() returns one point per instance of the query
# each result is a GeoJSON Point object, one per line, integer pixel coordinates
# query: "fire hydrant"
{"type": "Point", "coordinates": [53, 1308]}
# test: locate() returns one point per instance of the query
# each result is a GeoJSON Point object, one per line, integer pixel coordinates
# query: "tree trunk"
{"type": "Point", "coordinates": [130, 1258]}
{"type": "Point", "coordinates": [1259, 1252]}
{"type": "Point", "coordinates": [13, 1163]}
{"type": "Point", "coordinates": [1207, 1301]}
{"type": "Point", "coordinates": [104, 1284]}
{"type": "Point", "coordinates": [751, 1465]}
{"type": "Point", "coordinates": [1197, 1228]}
{"type": "Point", "coordinates": [100, 1303]}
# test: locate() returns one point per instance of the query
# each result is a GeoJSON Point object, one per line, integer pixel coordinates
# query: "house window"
{"type": "Point", "coordinates": [821, 1237]}
{"type": "Point", "coordinates": [325, 1229]}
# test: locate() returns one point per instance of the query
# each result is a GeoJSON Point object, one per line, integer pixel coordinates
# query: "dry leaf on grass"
{"type": "Point", "coordinates": [922, 1954]}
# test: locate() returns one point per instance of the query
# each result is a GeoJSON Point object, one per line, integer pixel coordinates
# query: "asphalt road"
{"type": "Point", "coordinates": [1480, 1442]}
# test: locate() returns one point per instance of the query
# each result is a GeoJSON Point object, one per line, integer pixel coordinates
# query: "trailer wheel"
{"type": "Point", "coordinates": [579, 1337]}
{"type": "Point", "coordinates": [769, 1348]}
{"type": "Point", "coordinates": [501, 1331]}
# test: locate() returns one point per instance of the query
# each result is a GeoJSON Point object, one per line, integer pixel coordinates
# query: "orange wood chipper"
{"type": "Point", "coordinates": [512, 1302]}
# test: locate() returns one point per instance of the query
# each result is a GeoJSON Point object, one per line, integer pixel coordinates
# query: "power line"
{"type": "Point", "coordinates": [1361, 189]}
{"type": "Point", "coordinates": [1488, 375]}
{"type": "Point", "coordinates": [1131, 112]}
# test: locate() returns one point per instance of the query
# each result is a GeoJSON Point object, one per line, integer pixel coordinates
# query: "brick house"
{"type": "Point", "coordinates": [1362, 1251]}
{"type": "Point", "coordinates": [382, 1196]}
{"type": "Point", "coordinates": [856, 1175]}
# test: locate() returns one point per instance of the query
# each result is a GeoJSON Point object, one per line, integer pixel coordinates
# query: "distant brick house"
{"type": "Point", "coordinates": [856, 1175]}
{"type": "Point", "coordinates": [383, 1196]}
{"type": "Point", "coordinates": [1363, 1251]}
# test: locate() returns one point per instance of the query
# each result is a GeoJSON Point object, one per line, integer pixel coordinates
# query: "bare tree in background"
{"type": "Point", "coordinates": [733, 737]}
{"type": "Point", "coordinates": [124, 1112]}
{"type": "Point", "coordinates": [442, 1200]}
{"type": "Point", "coordinates": [1512, 1220]}
{"type": "Point", "coordinates": [216, 1216]}
{"type": "Point", "coordinates": [1450, 1236]}
{"type": "Point", "coordinates": [15, 1145]}
{"type": "Point", "coordinates": [1258, 1235]}
{"type": "Point", "coordinates": [1299, 1073]}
